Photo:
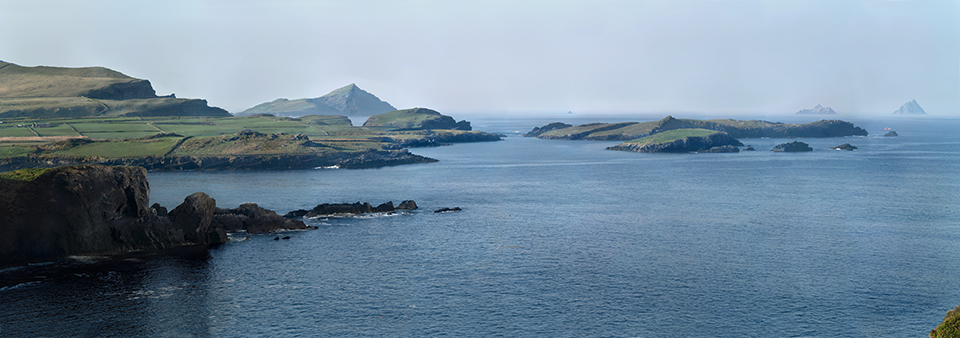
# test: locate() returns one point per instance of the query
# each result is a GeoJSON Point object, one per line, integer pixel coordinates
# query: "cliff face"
{"type": "Point", "coordinates": [97, 210]}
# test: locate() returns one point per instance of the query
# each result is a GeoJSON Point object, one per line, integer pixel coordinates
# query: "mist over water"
{"type": "Point", "coordinates": [556, 239]}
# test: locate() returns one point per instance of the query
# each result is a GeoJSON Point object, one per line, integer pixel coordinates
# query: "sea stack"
{"type": "Point", "coordinates": [910, 108]}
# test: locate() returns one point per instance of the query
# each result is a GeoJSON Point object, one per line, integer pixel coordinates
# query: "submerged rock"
{"type": "Point", "coordinates": [795, 146]}
{"type": "Point", "coordinates": [845, 146]}
{"type": "Point", "coordinates": [441, 210]}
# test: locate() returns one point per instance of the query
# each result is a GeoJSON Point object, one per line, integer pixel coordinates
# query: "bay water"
{"type": "Point", "coordinates": [555, 239]}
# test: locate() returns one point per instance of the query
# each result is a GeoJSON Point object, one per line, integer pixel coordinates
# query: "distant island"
{"type": "Point", "coordinates": [685, 135]}
{"type": "Point", "coordinates": [348, 100]}
{"type": "Point", "coordinates": [910, 108]}
{"type": "Point", "coordinates": [57, 92]}
{"type": "Point", "coordinates": [818, 110]}
{"type": "Point", "coordinates": [625, 131]}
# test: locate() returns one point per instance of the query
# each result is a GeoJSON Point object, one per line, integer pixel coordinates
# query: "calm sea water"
{"type": "Point", "coordinates": [556, 239]}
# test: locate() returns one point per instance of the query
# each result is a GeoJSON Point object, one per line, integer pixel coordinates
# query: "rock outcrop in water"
{"type": "Point", "coordinates": [845, 146]}
{"type": "Point", "coordinates": [795, 146]}
{"type": "Point", "coordinates": [99, 210]}
{"type": "Point", "coordinates": [891, 133]}
{"type": "Point", "coordinates": [552, 126]}
{"type": "Point", "coordinates": [330, 209]}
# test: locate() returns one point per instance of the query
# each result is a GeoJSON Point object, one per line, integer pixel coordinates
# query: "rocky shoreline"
{"type": "Point", "coordinates": [357, 160]}
{"type": "Point", "coordinates": [101, 210]}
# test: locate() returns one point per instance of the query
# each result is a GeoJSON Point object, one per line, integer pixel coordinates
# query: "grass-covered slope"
{"type": "Point", "coordinates": [681, 140]}
{"type": "Point", "coordinates": [50, 92]}
{"type": "Point", "coordinates": [348, 100]}
{"type": "Point", "coordinates": [736, 128]}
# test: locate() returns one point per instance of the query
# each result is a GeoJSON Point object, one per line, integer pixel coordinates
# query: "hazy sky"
{"type": "Point", "coordinates": [719, 56]}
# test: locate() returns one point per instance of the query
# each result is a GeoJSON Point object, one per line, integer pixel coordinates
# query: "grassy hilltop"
{"type": "Point", "coordinates": [54, 92]}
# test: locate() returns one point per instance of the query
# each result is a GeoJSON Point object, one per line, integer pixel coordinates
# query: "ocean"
{"type": "Point", "coordinates": [555, 239]}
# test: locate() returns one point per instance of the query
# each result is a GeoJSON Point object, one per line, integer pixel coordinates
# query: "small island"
{"type": "Point", "coordinates": [682, 141]}
{"type": "Point", "coordinates": [910, 108]}
{"type": "Point", "coordinates": [625, 131]}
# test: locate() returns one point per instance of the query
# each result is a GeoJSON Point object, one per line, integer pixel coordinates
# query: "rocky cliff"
{"type": "Point", "coordinates": [99, 210]}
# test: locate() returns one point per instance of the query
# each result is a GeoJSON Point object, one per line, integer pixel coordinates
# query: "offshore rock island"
{"type": "Point", "coordinates": [671, 135]}
{"type": "Point", "coordinates": [625, 131]}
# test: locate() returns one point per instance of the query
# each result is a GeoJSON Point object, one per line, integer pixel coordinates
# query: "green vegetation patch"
{"type": "Point", "coordinates": [55, 130]}
{"type": "Point", "coordinates": [122, 149]}
{"type": "Point", "coordinates": [11, 130]}
{"type": "Point", "coordinates": [28, 174]}
{"type": "Point", "coordinates": [673, 135]}
{"type": "Point", "coordinates": [950, 327]}
{"type": "Point", "coordinates": [14, 151]}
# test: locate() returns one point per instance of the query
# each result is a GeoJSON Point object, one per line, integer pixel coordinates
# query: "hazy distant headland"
{"type": "Point", "coordinates": [818, 110]}
{"type": "Point", "coordinates": [910, 108]}
{"type": "Point", "coordinates": [348, 100]}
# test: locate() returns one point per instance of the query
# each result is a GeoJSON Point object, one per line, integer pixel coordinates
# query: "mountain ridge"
{"type": "Point", "coordinates": [349, 100]}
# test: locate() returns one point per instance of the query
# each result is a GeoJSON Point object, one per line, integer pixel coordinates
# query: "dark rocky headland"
{"type": "Point", "coordinates": [101, 210]}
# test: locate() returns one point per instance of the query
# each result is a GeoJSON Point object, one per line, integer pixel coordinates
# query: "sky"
{"type": "Point", "coordinates": [511, 57]}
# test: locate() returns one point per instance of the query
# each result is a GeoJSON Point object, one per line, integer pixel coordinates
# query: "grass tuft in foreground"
{"type": "Point", "coordinates": [28, 174]}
